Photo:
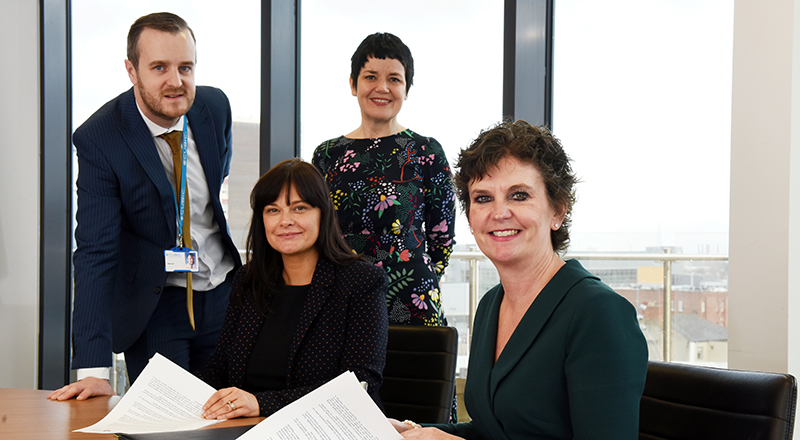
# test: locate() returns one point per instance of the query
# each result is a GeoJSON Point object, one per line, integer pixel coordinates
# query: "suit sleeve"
{"type": "Point", "coordinates": [95, 260]}
{"type": "Point", "coordinates": [364, 350]}
{"type": "Point", "coordinates": [605, 369]}
{"type": "Point", "coordinates": [440, 208]}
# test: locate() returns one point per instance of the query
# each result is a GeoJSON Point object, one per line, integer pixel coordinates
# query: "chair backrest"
{"type": "Point", "coordinates": [688, 402]}
{"type": "Point", "coordinates": [420, 374]}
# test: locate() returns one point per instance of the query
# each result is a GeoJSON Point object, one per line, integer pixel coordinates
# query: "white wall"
{"type": "Point", "coordinates": [19, 193]}
{"type": "Point", "coordinates": [764, 299]}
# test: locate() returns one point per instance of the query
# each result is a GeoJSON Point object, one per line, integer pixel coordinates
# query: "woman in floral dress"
{"type": "Point", "coordinates": [391, 186]}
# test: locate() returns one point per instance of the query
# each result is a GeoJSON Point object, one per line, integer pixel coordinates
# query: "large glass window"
{"type": "Point", "coordinates": [457, 91]}
{"type": "Point", "coordinates": [228, 57]}
{"type": "Point", "coordinates": [642, 103]}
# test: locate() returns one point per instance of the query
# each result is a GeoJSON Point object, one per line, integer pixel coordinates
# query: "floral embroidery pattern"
{"type": "Point", "coordinates": [419, 301]}
{"type": "Point", "coordinates": [384, 203]}
{"type": "Point", "coordinates": [396, 205]}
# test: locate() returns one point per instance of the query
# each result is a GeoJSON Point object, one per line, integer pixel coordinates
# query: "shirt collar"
{"type": "Point", "coordinates": [157, 130]}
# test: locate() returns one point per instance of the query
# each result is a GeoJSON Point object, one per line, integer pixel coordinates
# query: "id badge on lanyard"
{"type": "Point", "coordinates": [181, 258]}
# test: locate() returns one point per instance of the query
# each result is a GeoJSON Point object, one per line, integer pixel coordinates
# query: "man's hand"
{"type": "Point", "coordinates": [83, 389]}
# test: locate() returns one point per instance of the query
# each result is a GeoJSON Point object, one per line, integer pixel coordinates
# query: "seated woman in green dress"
{"type": "Point", "coordinates": [556, 354]}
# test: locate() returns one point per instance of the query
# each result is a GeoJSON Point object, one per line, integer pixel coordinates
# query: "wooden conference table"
{"type": "Point", "coordinates": [28, 414]}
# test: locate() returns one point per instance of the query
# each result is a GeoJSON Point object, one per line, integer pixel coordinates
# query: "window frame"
{"type": "Point", "coordinates": [526, 61]}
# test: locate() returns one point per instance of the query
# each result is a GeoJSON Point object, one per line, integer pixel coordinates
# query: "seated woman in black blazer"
{"type": "Point", "coordinates": [302, 310]}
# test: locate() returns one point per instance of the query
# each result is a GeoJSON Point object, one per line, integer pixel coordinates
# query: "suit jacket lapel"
{"type": "Point", "coordinates": [534, 320]}
{"type": "Point", "coordinates": [317, 295]}
{"type": "Point", "coordinates": [205, 138]}
{"type": "Point", "coordinates": [137, 136]}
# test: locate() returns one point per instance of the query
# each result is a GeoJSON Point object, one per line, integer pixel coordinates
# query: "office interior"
{"type": "Point", "coordinates": [764, 241]}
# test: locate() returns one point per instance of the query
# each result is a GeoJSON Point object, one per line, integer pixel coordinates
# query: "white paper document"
{"type": "Point", "coordinates": [165, 397]}
{"type": "Point", "coordinates": [338, 410]}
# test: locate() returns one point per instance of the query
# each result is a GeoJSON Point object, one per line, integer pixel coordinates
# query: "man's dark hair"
{"type": "Point", "coordinates": [160, 21]}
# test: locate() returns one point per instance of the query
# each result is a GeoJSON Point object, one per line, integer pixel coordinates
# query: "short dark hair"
{"type": "Point", "coordinates": [382, 45]}
{"type": "Point", "coordinates": [265, 265]}
{"type": "Point", "coordinates": [160, 21]}
{"type": "Point", "coordinates": [530, 145]}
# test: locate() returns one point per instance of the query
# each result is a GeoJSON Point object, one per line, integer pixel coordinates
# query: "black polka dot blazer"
{"type": "Point", "coordinates": [343, 326]}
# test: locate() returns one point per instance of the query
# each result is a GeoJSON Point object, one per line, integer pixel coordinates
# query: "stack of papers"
{"type": "Point", "coordinates": [166, 398]}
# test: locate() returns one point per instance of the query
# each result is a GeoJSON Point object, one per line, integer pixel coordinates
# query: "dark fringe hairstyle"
{"type": "Point", "coordinates": [382, 45]}
{"type": "Point", "coordinates": [264, 269]}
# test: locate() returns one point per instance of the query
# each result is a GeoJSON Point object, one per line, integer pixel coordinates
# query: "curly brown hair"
{"type": "Point", "coordinates": [530, 145]}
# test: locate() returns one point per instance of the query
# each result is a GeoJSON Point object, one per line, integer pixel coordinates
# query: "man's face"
{"type": "Point", "coordinates": [164, 79]}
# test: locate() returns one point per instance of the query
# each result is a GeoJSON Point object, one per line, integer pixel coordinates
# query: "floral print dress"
{"type": "Point", "coordinates": [396, 205]}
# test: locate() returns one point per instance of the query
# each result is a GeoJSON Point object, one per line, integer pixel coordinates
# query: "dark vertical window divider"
{"type": "Point", "coordinates": [528, 61]}
{"type": "Point", "coordinates": [55, 267]}
{"type": "Point", "coordinates": [280, 82]}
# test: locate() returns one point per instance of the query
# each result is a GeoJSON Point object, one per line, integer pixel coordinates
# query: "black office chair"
{"type": "Point", "coordinates": [419, 378]}
{"type": "Point", "coordinates": [687, 402]}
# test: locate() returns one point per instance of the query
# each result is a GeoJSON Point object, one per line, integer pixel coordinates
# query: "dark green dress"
{"type": "Point", "coordinates": [574, 368]}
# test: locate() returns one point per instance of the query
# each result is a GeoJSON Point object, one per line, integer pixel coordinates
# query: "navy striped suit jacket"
{"type": "Point", "coordinates": [126, 218]}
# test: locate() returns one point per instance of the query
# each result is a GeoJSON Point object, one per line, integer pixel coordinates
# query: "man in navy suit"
{"type": "Point", "coordinates": [128, 215]}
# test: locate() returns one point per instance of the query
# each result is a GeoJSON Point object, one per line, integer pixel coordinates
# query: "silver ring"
{"type": "Point", "coordinates": [233, 407]}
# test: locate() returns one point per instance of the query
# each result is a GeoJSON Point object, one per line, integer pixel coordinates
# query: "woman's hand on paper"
{"type": "Point", "coordinates": [400, 426]}
{"type": "Point", "coordinates": [412, 430]}
{"type": "Point", "coordinates": [429, 433]}
{"type": "Point", "coordinates": [229, 403]}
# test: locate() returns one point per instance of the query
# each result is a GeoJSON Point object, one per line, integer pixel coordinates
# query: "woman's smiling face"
{"type": "Point", "coordinates": [381, 89]}
{"type": "Point", "coordinates": [292, 228]}
{"type": "Point", "coordinates": [511, 215]}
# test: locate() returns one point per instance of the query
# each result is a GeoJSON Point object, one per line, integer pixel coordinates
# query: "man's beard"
{"type": "Point", "coordinates": [153, 101]}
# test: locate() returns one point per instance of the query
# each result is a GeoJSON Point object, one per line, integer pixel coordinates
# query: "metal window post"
{"type": "Point", "coordinates": [474, 280]}
{"type": "Point", "coordinates": [667, 301]}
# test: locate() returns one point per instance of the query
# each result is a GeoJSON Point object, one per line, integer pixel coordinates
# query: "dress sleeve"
{"type": "Point", "coordinates": [605, 368]}
{"type": "Point", "coordinates": [320, 158]}
{"type": "Point", "coordinates": [466, 430]}
{"type": "Point", "coordinates": [440, 207]}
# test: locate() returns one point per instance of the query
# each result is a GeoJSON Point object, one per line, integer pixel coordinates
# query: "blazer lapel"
{"type": "Point", "coordinates": [534, 320]}
{"type": "Point", "coordinates": [246, 340]}
{"type": "Point", "coordinates": [321, 286]}
{"type": "Point", "coordinates": [137, 136]}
